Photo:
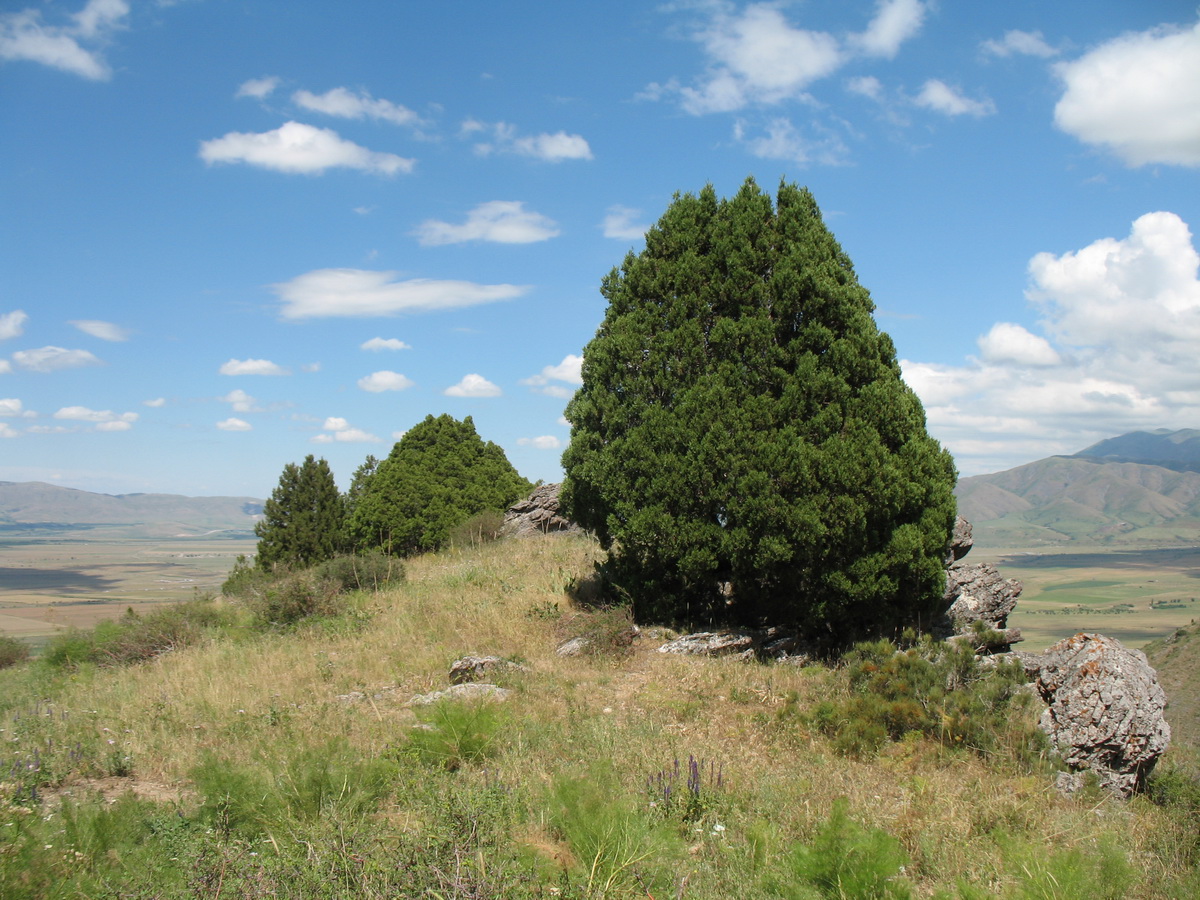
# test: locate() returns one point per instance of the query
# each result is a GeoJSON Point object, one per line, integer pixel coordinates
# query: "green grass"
{"type": "Point", "coordinates": [288, 763]}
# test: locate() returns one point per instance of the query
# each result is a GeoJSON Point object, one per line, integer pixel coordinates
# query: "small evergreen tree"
{"type": "Point", "coordinates": [304, 520]}
{"type": "Point", "coordinates": [438, 475]}
{"type": "Point", "coordinates": [743, 444]}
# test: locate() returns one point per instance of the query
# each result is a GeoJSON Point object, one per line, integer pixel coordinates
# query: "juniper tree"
{"type": "Point", "coordinates": [304, 520]}
{"type": "Point", "coordinates": [438, 475]}
{"type": "Point", "coordinates": [743, 443]}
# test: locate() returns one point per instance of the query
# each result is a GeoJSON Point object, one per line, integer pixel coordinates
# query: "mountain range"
{"type": "Point", "coordinates": [36, 506]}
{"type": "Point", "coordinates": [1138, 488]}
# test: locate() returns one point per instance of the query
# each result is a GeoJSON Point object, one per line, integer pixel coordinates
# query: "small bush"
{"type": "Point", "coordinates": [452, 735]}
{"type": "Point", "coordinates": [481, 528]}
{"type": "Point", "coordinates": [12, 651]}
{"type": "Point", "coordinates": [370, 571]}
{"type": "Point", "coordinates": [286, 601]}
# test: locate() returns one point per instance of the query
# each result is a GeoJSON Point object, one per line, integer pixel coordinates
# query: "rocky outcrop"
{"type": "Point", "coordinates": [472, 668]}
{"type": "Point", "coordinates": [537, 514]}
{"type": "Point", "coordinates": [979, 601]}
{"type": "Point", "coordinates": [1104, 711]}
{"type": "Point", "coordinates": [470, 692]}
{"type": "Point", "coordinates": [961, 541]}
{"type": "Point", "coordinates": [748, 643]}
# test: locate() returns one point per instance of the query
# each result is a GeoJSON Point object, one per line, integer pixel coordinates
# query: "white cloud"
{"type": "Point", "coordinates": [895, 22]}
{"type": "Point", "coordinates": [570, 371]}
{"type": "Point", "coordinates": [543, 442]}
{"type": "Point", "coordinates": [866, 86]}
{"type": "Point", "coordinates": [297, 148]}
{"type": "Point", "coordinates": [621, 223]}
{"type": "Point", "coordinates": [360, 292]}
{"type": "Point", "coordinates": [346, 104]}
{"type": "Point", "coordinates": [251, 367]}
{"type": "Point", "coordinates": [11, 406]}
{"type": "Point", "coordinates": [53, 359]}
{"type": "Point", "coordinates": [337, 429]}
{"type": "Point", "coordinates": [1138, 95]}
{"type": "Point", "coordinates": [473, 386]}
{"type": "Point", "coordinates": [940, 97]}
{"type": "Point", "coordinates": [13, 324]}
{"type": "Point", "coordinates": [1019, 43]}
{"type": "Point", "coordinates": [24, 37]}
{"type": "Point", "coordinates": [784, 141]}
{"type": "Point", "coordinates": [556, 147]}
{"type": "Point", "coordinates": [1010, 343]}
{"type": "Point", "coordinates": [156, 403]}
{"type": "Point", "coordinates": [241, 401]}
{"type": "Point", "coordinates": [378, 382]}
{"type": "Point", "coordinates": [498, 221]}
{"type": "Point", "coordinates": [234, 424]}
{"type": "Point", "coordinates": [106, 331]}
{"type": "Point", "coordinates": [757, 57]}
{"type": "Point", "coordinates": [5, 367]}
{"type": "Point", "coordinates": [377, 343]}
{"type": "Point", "coordinates": [258, 88]}
{"type": "Point", "coordinates": [1120, 322]}
{"type": "Point", "coordinates": [103, 419]}
{"type": "Point", "coordinates": [7, 431]}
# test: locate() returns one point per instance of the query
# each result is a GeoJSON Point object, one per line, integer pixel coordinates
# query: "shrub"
{"type": "Point", "coordinates": [296, 596]}
{"type": "Point", "coordinates": [12, 651]}
{"type": "Point", "coordinates": [481, 528]}
{"type": "Point", "coordinates": [369, 571]}
{"type": "Point", "coordinates": [452, 734]}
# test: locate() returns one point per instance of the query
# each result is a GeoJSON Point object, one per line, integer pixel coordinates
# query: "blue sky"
{"type": "Point", "coordinates": [236, 233]}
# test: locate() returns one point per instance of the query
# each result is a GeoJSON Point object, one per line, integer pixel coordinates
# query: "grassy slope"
{"type": "Point", "coordinates": [256, 704]}
{"type": "Point", "coordinates": [1177, 660]}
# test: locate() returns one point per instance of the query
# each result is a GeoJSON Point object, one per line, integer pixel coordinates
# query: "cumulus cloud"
{"type": "Point", "coordinates": [296, 148]}
{"type": "Point", "coordinates": [360, 292]}
{"type": "Point", "coordinates": [12, 324]}
{"type": "Point", "coordinates": [53, 359]}
{"type": "Point", "coordinates": [621, 223]}
{"type": "Point", "coordinates": [74, 48]}
{"type": "Point", "coordinates": [5, 367]}
{"type": "Point", "coordinates": [241, 401]}
{"type": "Point", "coordinates": [7, 431]}
{"type": "Point", "coordinates": [542, 442]}
{"type": "Point", "coordinates": [504, 138]}
{"type": "Point", "coordinates": [377, 343]}
{"type": "Point", "coordinates": [106, 331]}
{"type": "Point", "coordinates": [1120, 321]}
{"type": "Point", "coordinates": [497, 221]}
{"type": "Point", "coordinates": [338, 430]}
{"type": "Point", "coordinates": [258, 88]}
{"type": "Point", "coordinates": [1137, 95]}
{"type": "Point", "coordinates": [895, 22]}
{"type": "Point", "coordinates": [1019, 43]}
{"type": "Point", "coordinates": [234, 424]}
{"type": "Point", "coordinates": [102, 419]}
{"type": "Point", "coordinates": [940, 97]}
{"type": "Point", "coordinates": [783, 140]}
{"type": "Point", "coordinates": [251, 367]}
{"type": "Point", "coordinates": [156, 403]}
{"type": "Point", "coordinates": [12, 407]}
{"type": "Point", "coordinates": [378, 382]}
{"type": "Point", "coordinates": [347, 104]}
{"type": "Point", "coordinates": [569, 371]}
{"type": "Point", "coordinates": [473, 386]}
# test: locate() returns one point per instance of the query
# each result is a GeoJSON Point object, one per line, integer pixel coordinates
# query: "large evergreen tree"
{"type": "Point", "coordinates": [304, 520]}
{"type": "Point", "coordinates": [743, 444]}
{"type": "Point", "coordinates": [438, 475]}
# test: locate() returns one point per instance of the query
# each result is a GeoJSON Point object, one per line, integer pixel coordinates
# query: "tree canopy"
{"type": "Point", "coordinates": [743, 443]}
{"type": "Point", "coordinates": [438, 475]}
{"type": "Point", "coordinates": [303, 521]}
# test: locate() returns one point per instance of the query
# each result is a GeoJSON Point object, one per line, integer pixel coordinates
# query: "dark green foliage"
{"type": "Point", "coordinates": [12, 651]}
{"type": "Point", "coordinates": [440, 474]}
{"type": "Point", "coordinates": [304, 519]}
{"type": "Point", "coordinates": [934, 689]}
{"type": "Point", "coordinates": [743, 444]}
{"type": "Point", "coordinates": [848, 861]}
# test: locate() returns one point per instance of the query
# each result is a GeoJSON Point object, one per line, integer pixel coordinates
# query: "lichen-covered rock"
{"type": "Point", "coordinates": [980, 594]}
{"type": "Point", "coordinates": [961, 541]}
{"type": "Point", "coordinates": [765, 643]}
{"type": "Point", "coordinates": [537, 514]}
{"type": "Point", "coordinates": [472, 668]}
{"type": "Point", "coordinates": [470, 691]}
{"type": "Point", "coordinates": [1104, 710]}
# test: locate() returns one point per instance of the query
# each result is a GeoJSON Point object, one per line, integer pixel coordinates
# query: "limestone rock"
{"type": "Point", "coordinates": [979, 594]}
{"type": "Point", "coordinates": [472, 668]}
{"type": "Point", "coordinates": [762, 643]}
{"type": "Point", "coordinates": [1105, 710]}
{"type": "Point", "coordinates": [961, 541]}
{"type": "Point", "coordinates": [471, 691]}
{"type": "Point", "coordinates": [537, 514]}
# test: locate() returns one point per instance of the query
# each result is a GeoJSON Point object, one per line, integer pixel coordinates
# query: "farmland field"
{"type": "Point", "coordinates": [53, 579]}
{"type": "Point", "coordinates": [1134, 595]}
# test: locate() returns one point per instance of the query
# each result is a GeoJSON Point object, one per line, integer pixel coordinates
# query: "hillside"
{"type": "Point", "coordinates": [1177, 660]}
{"type": "Point", "coordinates": [38, 504]}
{"type": "Point", "coordinates": [1092, 496]}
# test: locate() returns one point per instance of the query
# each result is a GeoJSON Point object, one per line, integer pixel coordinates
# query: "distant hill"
{"type": "Point", "coordinates": [41, 506]}
{"type": "Point", "coordinates": [1098, 495]}
{"type": "Point", "coordinates": [1178, 450]}
{"type": "Point", "coordinates": [1176, 658]}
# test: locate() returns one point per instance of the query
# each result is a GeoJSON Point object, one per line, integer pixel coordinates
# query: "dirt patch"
{"type": "Point", "coordinates": [112, 788]}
